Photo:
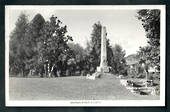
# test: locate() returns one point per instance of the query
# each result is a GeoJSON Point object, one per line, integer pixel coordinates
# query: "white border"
{"type": "Point", "coordinates": [64, 103]}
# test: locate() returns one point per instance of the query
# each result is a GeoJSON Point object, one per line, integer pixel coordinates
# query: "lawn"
{"type": "Point", "coordinates": [71, 88]}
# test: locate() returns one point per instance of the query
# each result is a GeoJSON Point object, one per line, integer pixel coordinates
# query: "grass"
{"type": "Point", "coordinates": [71, 88]}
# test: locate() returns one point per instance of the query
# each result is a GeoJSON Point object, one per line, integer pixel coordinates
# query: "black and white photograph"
{"type": "Point", "coordinates": [109, 55]}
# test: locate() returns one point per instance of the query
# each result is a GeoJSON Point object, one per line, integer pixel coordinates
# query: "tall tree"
{"type": "Point", "coordinates": [151, 23]}
{"type": "Point", "coordinates": [53, 45]}
{"type": "Point", "coordinates": [118, 62]}
{"type": "Point", "coordinates": [33, 36]}
{"type": "Point", "coordinates": [79, 56]}
{"type": "Point", "coordinates": [95, 46]}
{"type": "Point", "coordinates": [110, 55]}
{"type": "Point", "coordinates": [18, 51]}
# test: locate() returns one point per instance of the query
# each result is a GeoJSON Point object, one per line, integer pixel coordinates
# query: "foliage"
{"type": "Point", "coordinates": [118, 62]}
{"type": "Point", "coordinates": [77, 49]}
{"type": "Point", "coordinates": [110, 56]}
{"type": "Point", "coordinates": [38, 43]}
{"type": "Point", "coordinates": [53, 48]}
{"type": "Point", "coordinates": [95, 46]}
{"type": "Point", "coordinates": [43, 46]}
{"type": "Point", "coordinates": [23, 44]}
{"type": "Point", "coordinates": [18, 52]}
{"type": "Point", "coordinates": [80, 56]}
{"type": "Point", "coordinates": [32, 39]}
{"type": "Point", "coordinates": [151, 23]}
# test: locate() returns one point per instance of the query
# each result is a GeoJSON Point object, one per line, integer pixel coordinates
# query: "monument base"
{"type": "Point", "coordinates": [104, 69]}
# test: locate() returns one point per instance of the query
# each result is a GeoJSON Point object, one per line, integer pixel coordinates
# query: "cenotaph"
{"type": "Point", "coordinates": [103, 57]}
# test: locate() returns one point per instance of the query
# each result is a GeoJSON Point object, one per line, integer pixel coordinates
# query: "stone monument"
{"type": "Point", "coordinates": [103, 58]}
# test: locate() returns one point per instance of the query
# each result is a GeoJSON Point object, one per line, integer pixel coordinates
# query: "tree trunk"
{"type": "Point", "coordinates": [52, 68]}
{"type": "Point", "coordinates": [58, 73]}
{"type": "Point", "coordinates": [67, 72]}
{"type": "Point", "coordinates": [45, 70]}
{"type": "Point", "coordinates": [48, 66]}
{"type": "Point", "coordinates": [22, 73]}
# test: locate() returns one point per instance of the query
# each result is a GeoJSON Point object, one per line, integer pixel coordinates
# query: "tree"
{"type": "Point", "coordinates": [110, 55]}
{"type": "Point", "coordinates": [77, 49]}
{"type": "Point", "coordinates": [95, 46]}
{"type": "Point", "coordinates": [32, 38]}
{"type": "Point", "coordinates": [144, 54]}
{"type": "Point", "coordinates": [79, 56]}
{"type": "Point", "coordinates": [53, 49]}
{"type": "Point", "coordinates": [151, 23]}
{"type": "Point", "coordinates": [18, 52]}
{"type": "Point", "coordinates": [118, 62]}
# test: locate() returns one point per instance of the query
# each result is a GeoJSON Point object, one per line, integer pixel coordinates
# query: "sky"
{"type": "Point", "coordinates": [122, 26]}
